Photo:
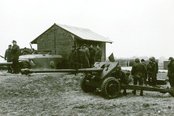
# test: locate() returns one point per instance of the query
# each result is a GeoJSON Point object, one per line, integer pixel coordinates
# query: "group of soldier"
{"type": "Point", "coordinates": [12, 55]}
{"type": "Point", "coordinates": [85, 56]}
{"type": "Point", "coordinates": [143, 73]}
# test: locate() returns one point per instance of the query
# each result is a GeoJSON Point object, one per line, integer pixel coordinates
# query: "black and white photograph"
{"type": "Point", "coordinates": [86, 57]}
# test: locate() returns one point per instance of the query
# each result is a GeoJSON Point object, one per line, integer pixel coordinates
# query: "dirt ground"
{"type": "Point", "coordinates": [59, 94]}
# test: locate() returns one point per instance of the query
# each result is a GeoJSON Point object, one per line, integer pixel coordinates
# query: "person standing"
{"type": "Point", "coordinates": [74, 58]}
{"type": "Point", "coordinates": [98, 54]}
{"type": "Point", "coordinates": [15, 52]}
{"type": "Point", "coordinates": [152, 72]}
{"type": "Point", "coordinates": [156, 69]}
{"type": "Point", "coordinates": [170, 73]}
{"type": "Point", "coordinates": [145, 74]}
{"type": "Point", "coordinates": [92, 55]}
{"type": "Point", "coordinates": [138, 70]}
{"type": "Point", "coordinates": [85, 47]}
{"type": "Point", "coordinates": [84, 57]}
{"type": "Point", "coordinates": [8, 57]}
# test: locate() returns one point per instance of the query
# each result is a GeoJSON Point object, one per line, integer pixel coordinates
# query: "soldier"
{"type": "Point", "coordinates": [84, 57]}
{"type": "Point", "coordinates": [15, 57]}
{"type": "Point", "coordinates": [156, 71]}
{"type": "Point", "coordinates": [145, 74]}
{"type": "Point", "coordinates": [8, 57]}
{"type": "Point", "coordinates": [71, 57]}
{"type": "Point", "coordinates": [152, 71]}
{"type": "Point", "coordinates": [74, 58]}
{"type": "Point", "coordinates": [119, 74]}
{"type": "Point", "coordinates": [138, 70]}
{"type": "Point", "coordinates": [92, 55]}
{"type": "Point", "coordinates": [170, 73]}
{"type": "Point", "coordinates": [98, 54]}
{"type": "Point", "coordinates": [86, 50]}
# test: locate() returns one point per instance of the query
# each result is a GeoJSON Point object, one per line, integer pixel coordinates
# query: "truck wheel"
{"type": "Point", "coordinates": [25, 64]}
{"type": "Point", "coordinates": [84, 86]}
{"type": "Point", "coordinates": [110, 88]}
{"type": "Point", "coordinates": [172, 91]}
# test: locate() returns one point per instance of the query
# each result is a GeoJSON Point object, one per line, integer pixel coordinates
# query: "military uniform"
{"type": "Point", "coordinates": [84, 58]}
{"type": "Point", "coordinates": [156, 70]}
{"type": "Point", "coordinates": [74, 59]}
{"type": "Point", "coordinates": [152, 72]}
{"type": "Point", "coordinates": [138, 71]}
{"type": "Point", "coordinates": [145, 74]}
{"type": "Point", "coordinates": [15, 57]}
{"type": "Point", "coordinates": [92, 55]}
{"type": "Point", "coordinates": [170, 73]}
{"type": "Point", "coordinates": [122, 77]}
{"type": "Point", "coordinates": [98, 54]}
{"type": "Point", "coordinates": [8, 57]}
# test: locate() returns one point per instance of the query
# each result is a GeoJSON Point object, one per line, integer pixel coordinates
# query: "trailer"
{"type": "Point", "coordinates": [100, 79]}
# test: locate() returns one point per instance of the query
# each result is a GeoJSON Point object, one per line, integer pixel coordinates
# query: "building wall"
{"type": "Point", "coordinates": [64, 42]}
{"type": "Point", "coordinates": [45, 42]}
{"type": "Point", "coordinates": [58, 41]}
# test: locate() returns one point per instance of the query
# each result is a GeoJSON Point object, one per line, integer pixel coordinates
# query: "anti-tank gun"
{"type": "Point", "coordinates": [110, 87]}
{"type": "Point", "coordinates": [100, 79]}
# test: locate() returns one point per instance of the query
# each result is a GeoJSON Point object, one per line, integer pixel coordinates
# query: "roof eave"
{"type": "Point", "coordinates": [35, 40]}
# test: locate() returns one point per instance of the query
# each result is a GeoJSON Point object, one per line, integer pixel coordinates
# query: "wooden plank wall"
{"type": "Point", "coordinates": [58, 41]}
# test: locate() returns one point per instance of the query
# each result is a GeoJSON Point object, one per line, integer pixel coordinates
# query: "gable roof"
{"type": "Point", "coordinates": [82, 33]}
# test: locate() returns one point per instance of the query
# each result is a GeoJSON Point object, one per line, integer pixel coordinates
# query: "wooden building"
{"type": "Point", "coordinates": [59, 39]}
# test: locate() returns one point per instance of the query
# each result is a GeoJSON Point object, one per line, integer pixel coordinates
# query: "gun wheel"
{"type": "Point", "coordinates": [25, 64]}
{"type": "Point", "coordinates": [85, 86]}
{"type": "Point", "coordinates": [172, 91]}
{"type": "Point", "coordinates": [110, 88]}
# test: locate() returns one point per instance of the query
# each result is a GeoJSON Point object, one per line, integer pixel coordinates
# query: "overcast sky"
{"type": "Point", "coordinates": [137, 27]}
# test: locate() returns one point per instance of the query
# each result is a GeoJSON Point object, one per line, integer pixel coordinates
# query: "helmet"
{"type": "Point", "coordinates": [171, 58]}
{"type": "Point", "coordinates": [142, 60]}
{"type": "Point", "coordinates": [153, 59]}
{"type": "Point", "coordinates": [137, 60]}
